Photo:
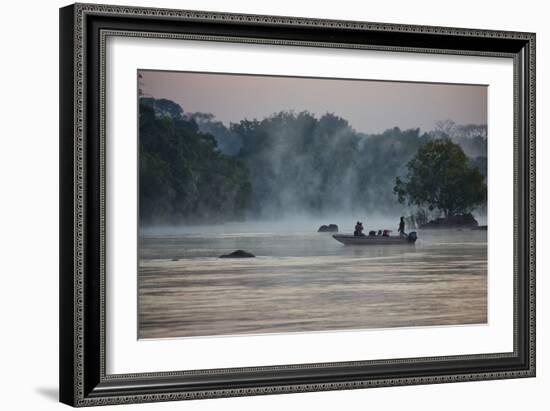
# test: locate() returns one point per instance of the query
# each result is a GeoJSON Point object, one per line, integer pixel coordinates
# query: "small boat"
{"type": "Point", "coordinates": [349, 239]}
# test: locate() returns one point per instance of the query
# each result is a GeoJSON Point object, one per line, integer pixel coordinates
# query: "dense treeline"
{"type": "Point", "coordinates": [195, 168]}
{"type": "Point", "coordinates": [304, 164]}
{"type": "Point", "coordinates": [182, 173]}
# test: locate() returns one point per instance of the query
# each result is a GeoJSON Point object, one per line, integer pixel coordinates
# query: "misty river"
{"type": "Point", "coordinates": [302, 280]}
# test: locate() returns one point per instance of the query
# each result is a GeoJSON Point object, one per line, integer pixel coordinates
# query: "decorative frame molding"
{"type": "Point", "coordinates": [84, 29]}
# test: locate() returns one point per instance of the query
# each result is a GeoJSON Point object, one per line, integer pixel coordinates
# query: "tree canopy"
{"type": "Point", "coordinates": [183, 175]}
{"type": "Point", "coordinates": [440, 177]}
{"type": "Point", "coordinates": [194, 168]}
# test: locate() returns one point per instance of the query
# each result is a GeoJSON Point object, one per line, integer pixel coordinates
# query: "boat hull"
{"type": "Point", "coordinates": [373, 240]}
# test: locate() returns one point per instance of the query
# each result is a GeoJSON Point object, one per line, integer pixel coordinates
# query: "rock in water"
{"type": "Point", "coordinates": [458, 221]}
{"type": "Point", "coordinates": [331, 228]}
{"type": "Point", "coordinates": [238, 254]}
{"type": "Point", "coordinates": [480, 228]}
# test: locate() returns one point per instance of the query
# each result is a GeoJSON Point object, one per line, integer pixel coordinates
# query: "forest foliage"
{"type": "Point", "coordinates": [183, 174]}
{"type": "Point", "coordinates": [439, 177]}
{"type": "Point", "coordinates": [193, 168]}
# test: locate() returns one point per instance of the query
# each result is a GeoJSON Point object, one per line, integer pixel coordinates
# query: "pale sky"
{"type": "Point", "coordinates": [369, 106]}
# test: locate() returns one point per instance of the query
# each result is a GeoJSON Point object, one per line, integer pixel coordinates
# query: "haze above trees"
{"type": "Point", "coordinates": [194, 169]}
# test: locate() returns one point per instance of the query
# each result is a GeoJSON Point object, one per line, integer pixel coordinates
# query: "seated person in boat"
{"type": "Point", "coordinates": [358, 229]}
{"type": "Point", "coordinates": [401, 229]}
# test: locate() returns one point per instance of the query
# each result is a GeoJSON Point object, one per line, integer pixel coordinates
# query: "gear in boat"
{"type": "Point", "coordinates": [383, 237]}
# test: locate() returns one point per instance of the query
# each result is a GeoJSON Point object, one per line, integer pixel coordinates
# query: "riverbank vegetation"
{"type": "Point", "coordinates": [196, 169]}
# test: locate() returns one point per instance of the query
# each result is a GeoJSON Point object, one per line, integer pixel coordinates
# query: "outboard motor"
{"type": "Point", "coordinates": [412, 236]}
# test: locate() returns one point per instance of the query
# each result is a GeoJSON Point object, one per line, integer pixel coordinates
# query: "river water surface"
{"type": "Point", "coordinates": [302, 280]}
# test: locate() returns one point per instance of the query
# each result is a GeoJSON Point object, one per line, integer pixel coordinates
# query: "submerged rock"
{"type": "Point", "coordinates": [238, 254]}
{"type": "Point", "coordinates": [457, 221]}
{"type": "Point", "coordinates": [331, 228]}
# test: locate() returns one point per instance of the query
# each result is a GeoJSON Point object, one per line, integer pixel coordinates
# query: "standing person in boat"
{"type": "Point", "coordinates": [401, 229]}
{"type": "Point", "coordinates": [358, 229]}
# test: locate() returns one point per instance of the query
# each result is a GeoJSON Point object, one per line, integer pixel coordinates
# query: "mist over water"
{"type": "Point", "coordinates": [296, 224]}
{"type": "Point", "coordinates": [302, 280]}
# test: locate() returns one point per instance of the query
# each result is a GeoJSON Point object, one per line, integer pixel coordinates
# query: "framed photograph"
{"type": "Point", "coordinates": [262, 204]}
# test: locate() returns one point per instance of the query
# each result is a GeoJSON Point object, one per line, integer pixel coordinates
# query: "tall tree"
{"type": "Point", "coordinates": [440, 177]}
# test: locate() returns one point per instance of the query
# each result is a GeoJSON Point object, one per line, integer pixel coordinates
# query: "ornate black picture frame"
{"type": "Point", "coordinates": [83, 31]}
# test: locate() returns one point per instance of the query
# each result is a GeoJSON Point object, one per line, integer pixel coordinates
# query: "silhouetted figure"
{"type": "Point", "coordinates": [401, 229]}
{"type": "Point", "coordinates": [358, 229]}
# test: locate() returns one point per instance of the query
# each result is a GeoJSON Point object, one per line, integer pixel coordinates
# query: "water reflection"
{"type": "Point", "coordinates": [303, 281]}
